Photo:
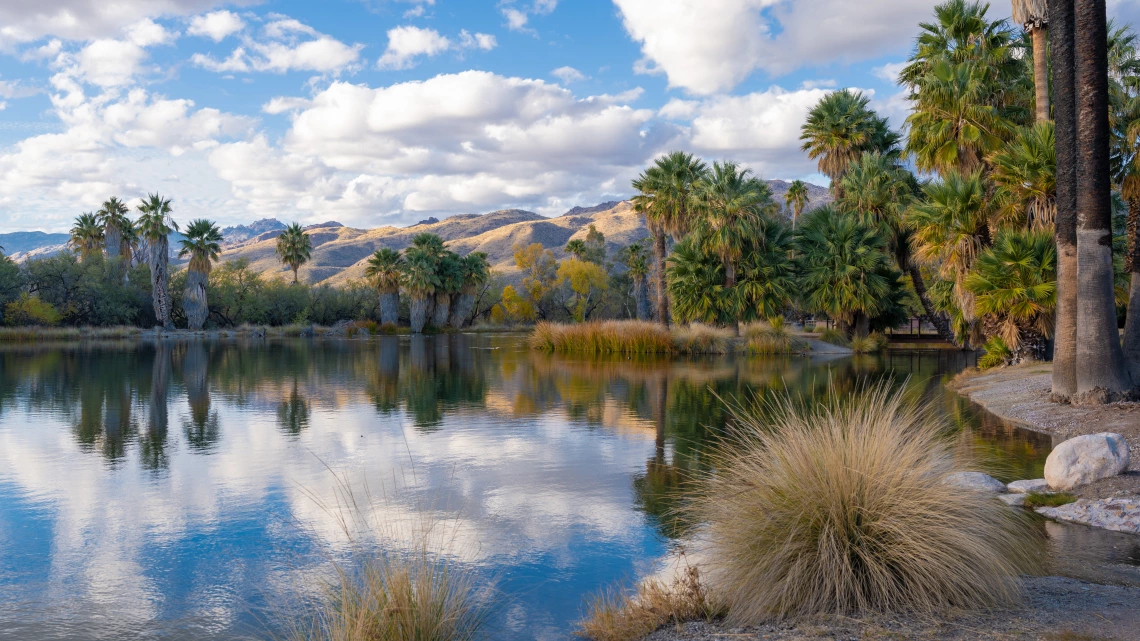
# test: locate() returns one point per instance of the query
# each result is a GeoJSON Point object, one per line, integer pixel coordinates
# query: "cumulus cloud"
{"type": "Point", "coordinates": [87, 19]}
{"type": "Point", "coordinates": [568, 75]}
{"type": "Point", "coordinates": [217, 25]}
{"type": "Point", "coordinates": [406, 44]}
{"type": "Point", "coordinates": [287, 45]}
{"type": "Point", "coordinates": [710, 46]}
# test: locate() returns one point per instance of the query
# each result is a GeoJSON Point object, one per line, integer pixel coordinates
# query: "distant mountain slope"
{"type": "Point", "coordinates": [25, 241]}
{"type": "Point", "coordinates": [241, 233]}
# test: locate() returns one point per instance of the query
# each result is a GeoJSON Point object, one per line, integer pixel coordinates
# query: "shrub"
{"type": "Point", "coordinates": [773, 338]}
{"type": "Point", "coordinates": [606, 337]}
{"type": "Point", "coordinates": [997, 354]}
{"type": "Point", "coordinates": [1047, 499]}
{"type": "Point", "coordinates": [616, 615]}
{"type": "Point", "coordinates": [841, 506]}
{"type": "Point", "coordinates": [874, 342]}
{"type": "Point", "coordinates": [834, 336]}
{"type": "Point", "coordinates": [31, 311]}
{"type": "Point", "coordinates": [698, 338]}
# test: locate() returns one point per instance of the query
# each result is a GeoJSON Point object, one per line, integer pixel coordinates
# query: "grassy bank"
{"type": "Point", "coordinates": [359, 329]}
{"type": "Point", "coordinates": [640, 337]}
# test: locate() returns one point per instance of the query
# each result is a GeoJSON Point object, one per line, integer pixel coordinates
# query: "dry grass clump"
{"type": "Point", "coordinates": [698, 338]}
{"type": "Point", "coordinates": [834, 337]}
{"type": "Point", "coordinates": [28, 334]}
{"type": "Point", "coordinates": [842, 507]}
{"type": "Point", "coordinates": [616, 615]}
{"type": "Point", "coordinates": [604, 337]}
{"type": "Point", "coordinates": [870, 344]}
{"type": "Point", "coordinates": [773, 338]}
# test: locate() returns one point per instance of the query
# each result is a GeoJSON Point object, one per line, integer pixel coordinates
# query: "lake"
{"type": "Point", "coordinates": [181, 490]}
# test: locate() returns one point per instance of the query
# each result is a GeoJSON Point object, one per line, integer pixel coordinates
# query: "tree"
{"type": "Point", "coordinates": [594, 246]}
{"type": "Point", "coordinates": [1062, 40]}
{"type": "Point", "coordinates": [384, 270]}
{"type": "Point", "coordinates": [664, 199]}
{"type": "Point", "coordinates": [449, 270]}
{"type": "Point", "coordinates": [86, 236]}
{"type": "Point", "coordinates": [796, 199]}
{"type": "Point", "coordinates": [636, 260]}
{"type": "Point", "coordinates": [588, 281]}
{"type": "Point", "coordinates": [294, 248]}
{"type": "Point", "coordinates": [420, 280]}
{"type": "Point", "coordinates": [1025, 178]}
{"type": "Point", "coordinates": [576, 248]}
{"type": "Point", "coordinates": [203, 246]}
{"type": "Point", "coordinates": [1100, 365]}
{"type": "Point", "coordinates": [845, 269]}
{"type": "Point", "coordinates": [1033, 16]}
{"type": "Point", "coordinates": [476, 272]}
{"type": "Point", "coordinates": [840, 128]}
{"type": "Point", "coordinates": [541, 280]}
{"type": "Point", "coordinates": [155, 225]}
{"type": "Point", "coordinates": [877, 189]}
{"type": "Point", "coordinates": [1015, 288]}
{"type": "Point", "coordinates": [113, 216]}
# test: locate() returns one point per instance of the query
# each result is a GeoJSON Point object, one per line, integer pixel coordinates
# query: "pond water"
{"type": "Point", "coordinates": [181, 490]}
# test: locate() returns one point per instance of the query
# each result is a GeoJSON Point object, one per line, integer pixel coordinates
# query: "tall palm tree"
{"type": "Point", "coordinates": [294, 248]}
{"type": "Point", "coordinates": [384, 268]}
{"type": "Point", "coordinates": [877, 189]}
{"type": "Point", "coordinates": [1100, 365]}
{"type": "Point", "coordinates": [796, 199]}
{"type": "Point", "coordinates": [637, 261]}
{"type": "Point", "coordinates": [155, 225]}
{"type": "Point", "coordinates": [420, 280]}
{"type": "Point", "coordinates": [840, 128]}
{"type": "Point", "coordinates": [576, 248]}
{"type": "Point", "coordinates": [449, 270]}
{"type": "Point", "coordinates": [476, 272]}
{"type": "Point", "coordinates": [665, 201]}
{"type": "Point", "coordinates": [1062, 42]}
{"type": "Point", "coordinates": [113, 216]}
{"type": "Point", "coordinates": [203, 246]}
{"type": "Point", "coordinates": [86, 236]}
{"type": "Point", "coordinates": [1025, 177]}
{"type": "Point", "coordinates": [1033, 16]}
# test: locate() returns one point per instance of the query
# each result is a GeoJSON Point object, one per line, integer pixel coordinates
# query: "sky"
{"type": "Point", "coordinates": [386, 112]}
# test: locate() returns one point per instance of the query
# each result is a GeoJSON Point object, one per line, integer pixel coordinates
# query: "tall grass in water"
{"type": "Point", "coordinates": [419, 593]}
{"type": "Point", "coordinates": [703, 339]}
{"type": "Point", "coordinates": [842, 507]}
{"type": "Point", "coordinates": [605, 337]}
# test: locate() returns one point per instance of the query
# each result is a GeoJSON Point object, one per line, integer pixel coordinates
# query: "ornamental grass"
{"type": "Point", "coordinates": [604, 337]}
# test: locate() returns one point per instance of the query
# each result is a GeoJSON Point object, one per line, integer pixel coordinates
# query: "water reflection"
{"type": "Point", "coordinates": [562, 474]}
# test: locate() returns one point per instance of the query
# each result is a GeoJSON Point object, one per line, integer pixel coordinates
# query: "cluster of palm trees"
{"type": "Point", "coordinates": [110, 233]}
{"type": "Point", "coordinates": [440, 284]}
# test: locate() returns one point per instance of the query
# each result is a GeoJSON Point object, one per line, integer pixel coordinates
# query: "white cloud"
{"type": "Point", "coordinates": [484, 41]}
{"type": "Point", "coordinates": [282, 104]}
{"type": "Point", "coordinates": [568, 75]}
{"type": "Point", "coordinates": [217, 25]}
{"type": "Point", "coordinates": [87, 19]}
{"type": "Point", "coordinates": [284, 49]}
{"type": "Point", "coordinates": [709, 46]}
{"type": "Point", "coordinates": [147, 33]}
{"type": "Point", "coordinates": [406, 44]}
{"type": "Point", "coordinates": [890, 71]}
{"type": "Point", "coordinates": [10, 89]}
{"type": "Point", "coordinates": [110, 63]}
{"type": "Point", "coordinates": [518, 15]}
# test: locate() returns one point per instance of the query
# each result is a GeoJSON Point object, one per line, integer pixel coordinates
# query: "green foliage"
{"type": "Point", "coordinates": [834, 337]}
{"type": "Point", "coordinates": [155, 221]}
{"type": "Point", "coordinates": [589, 283]}
{"type": "Point", "coordinates": [997, 354]}
{"type": "Point", "coordinates": [1034, 500]}
{"type": "Point", "coordinates": [1015, 286]}
{"type": "Point", "coordinates": [796, 199]}
{"type": "Point", "coordinates": [384, 268]}
{"type": "Point", "coordinates": [294, 247]}
{"type": "Point", "coordinates": [202, 245]}
{"type": "Point", "coordinates": [30, 311]}
{"type": "Point", "coordinates": [840, 128]}
{"type": "Point", "coordinates": [11, 282]}
{"type": "Point", "coordinates": [592, 249]}
{"type": "Point", "coordinates": [1025, 178]}
{"type": "Point", "coordinates": [86, 235]}
{"type": "Point", "coordinates": [91, 293]}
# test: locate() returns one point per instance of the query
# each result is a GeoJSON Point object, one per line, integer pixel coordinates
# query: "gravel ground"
{"type": "Point", "coordinates": [1055, 609]}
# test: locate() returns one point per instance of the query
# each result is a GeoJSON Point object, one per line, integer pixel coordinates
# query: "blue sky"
{"type": "Point", "coordinates": [374, 112]}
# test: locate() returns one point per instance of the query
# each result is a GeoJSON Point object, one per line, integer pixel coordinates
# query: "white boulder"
{"type": "Point", "coordinates": [976, 481]}
{"type": "Point", "coordinates": [1085, 459]}
{"type": "Point", "coordinates": [1027, 486]}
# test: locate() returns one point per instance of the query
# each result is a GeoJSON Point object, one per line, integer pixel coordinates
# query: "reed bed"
{"type": "Point", "coordinates": [30, 334]}
{"type": "Point", "coordinates": [773, 337]}
{"type": "Point", "coordinates": [605, 337]}
{"type": "Point", "coordinates": [698, 338]}
{"type": "Point", "coordinates": [841, 506]}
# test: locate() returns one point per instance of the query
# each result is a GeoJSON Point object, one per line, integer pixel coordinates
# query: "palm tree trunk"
{"type": "Point", "coordinates": [1101, 370]}
{"type": "Point", "coordinates": [1041, 70]}
{"type": "Point", "coordinates": [662, 292]}
{"type": "Point", "coordinates": [1132, 320]}
{"type": "Point", "coordinates": [159, 252]}
{"type": "Point", "coordinates": [419, 311]}
{"type": "Point", "coordinates": [295, 275]}
{"type": "Point", "coordinates": [442, 312]}
{"type": "Point", "coordinates": [862, 325]}
{"type": "Point", "coordinates": [461, 308]}
{"type": "Point", "coordinates": [390, 308]}
{"type": "Point", "coordinates": [112, 241]}
{"type": "Point", "coordinates": [939, 321]}
{"type": "Point", "coordinates": [1065, 230]}
{"type": "Point", "coordinates": [194, 300]}
{"type": "Point", "coordinates": [641, 296]}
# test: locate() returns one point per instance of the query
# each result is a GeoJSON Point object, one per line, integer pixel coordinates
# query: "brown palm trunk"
{"type": "Point", "coordinates": [939, 321]}
{"type": "Point", "coordinates": [1100, 366]}
{"type": "Point", "coordinates": [1065, 114]}
{"type": "Point", "coordinates": [1041, 70]}
{"type": "Point", "coordinates": [1132, 320]}
{"type": "Point", "coordinates": [662, 292]}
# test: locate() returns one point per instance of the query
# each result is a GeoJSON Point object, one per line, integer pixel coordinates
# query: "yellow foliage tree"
{"type": "Point", "coordinates": [588, 281]}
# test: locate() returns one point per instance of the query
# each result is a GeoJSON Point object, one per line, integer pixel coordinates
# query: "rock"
{"type": "Point", "coordinates": [308, 332]}
{"type": "Point", "coordinates": [1025, 487]}
{"type": "Point", "coordinates": [976, 481]}
{"type": "Point", "coordinates": [1121, 515]}
{"type": "Point", "coordinates": [1013, 500]}
{"type": "Point", "coordinates": [1085, 459]}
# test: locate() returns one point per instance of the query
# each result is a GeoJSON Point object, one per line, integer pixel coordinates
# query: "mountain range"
{"type": "Point", "coordinates": [340, 253]}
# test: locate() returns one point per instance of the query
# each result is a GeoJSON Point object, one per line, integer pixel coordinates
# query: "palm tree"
{"type": "Point", "coordinates": [1025, 177]}
{"type": "Point", "coordinates": [796, 199]}
{"type": "Point", "coordinates": [1015, 288]}
{"type": "Point", "coordinates": [1100, 365]}
{"type": "Point", "coordinates": [637, 262]}
{"type": "Point", "coordinates": [86, 236]}
{"type": "Point", "coordinates": [155, 224]}
{"type": "Point", "coordinates": [696, 284]}
{"type": "Point", "coordinates": [877, 189]}
{"type": "Point", "coordinates": [476, 272]}
{"type": "Point", "coordinates": [113, 216]}
{"type": "Point", "coordinates": [384, 269]}
{"type": "Point", "coordinates": [294, 248]}
{"type": "Point", "coordinates": [1033, 16]}
{"type": "Point", "coordinates": [665, 201]}
{"type": "Point", "coordinates": [203, 246]}
{"type": "Point", "coordinates": [844, 267]}
{"type": "Point", "coordinates": [840, 128]}
{"type": "Point", "coordinates": [576, 248]}
{"type": "Point", "coordinates": [1062, 42]}
{"type": "Point", "coordinates": [449, 270]}
{"type": "Point", "coordinates": [420, 280]}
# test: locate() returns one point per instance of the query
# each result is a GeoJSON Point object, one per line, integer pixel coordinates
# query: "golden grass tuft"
{"type": "Point", "coordinates": [773, 337]}
{"type": "Point", "coordinates": [870, 344]}
{"type": "Point", "coordinates": [604, 337]}
{"type": "Point", "coordinates": [698, 338]}
{"type": "Point", "coordinates": [616, 615]}
{"type": "Point", "coordinates": [834, 337]}
{"type": "Point", "coordinates": [842, 507]}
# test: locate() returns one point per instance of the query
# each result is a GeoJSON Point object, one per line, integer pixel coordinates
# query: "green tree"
{"type": "Point", "coordinates": [1025, 179]}
{"type": "Point", "coordinates": [86, 235]}
{"type": "Point", "coordinates": [384, 269]}
{"type": "Point", "coordinates": [202, 246]}
{"type": "Point", "coordinates": [840, 128]}
{"type": "Point", "coordinates": [113, 217]}
{"type": "Point", "coordinates": [664, 199]}
{"type": "Point", "coordinates": [635, 257]}
{"type": "Point", "coordinates": [796, 199]}
{"type": "Point", "coordinates": [576, 248]}
{"type": "Point", "coordinates": [155, 225]}
{"type": "Point", "coordinates": [449, 270]}
{"type": "Point", "coordinates": [294, 248]}
{"type": "Point", "coordinates": [476, 272]}
{"type": "Point", "coordinates": [419, 277]}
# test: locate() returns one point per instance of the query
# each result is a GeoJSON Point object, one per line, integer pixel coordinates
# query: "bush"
{"type": "Point", "coordinates": [698, 338]}
{"type": "Point", "coordinates": [30, 311]}
{"type": "Point", "coordinates": [615, 615]}
{"type": "Point", "coordinates": [834, 337]}
{"type": "Point", "coordinates": [997, 354]}
{"type": "Point", "coordinates": [773, 338]}
{"type": "Point", "coordinates": [842, 507]}
{"type": "Point", "coordinates": [606, 337]}
{"type": "Point", "coordinates": [874, 342]}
